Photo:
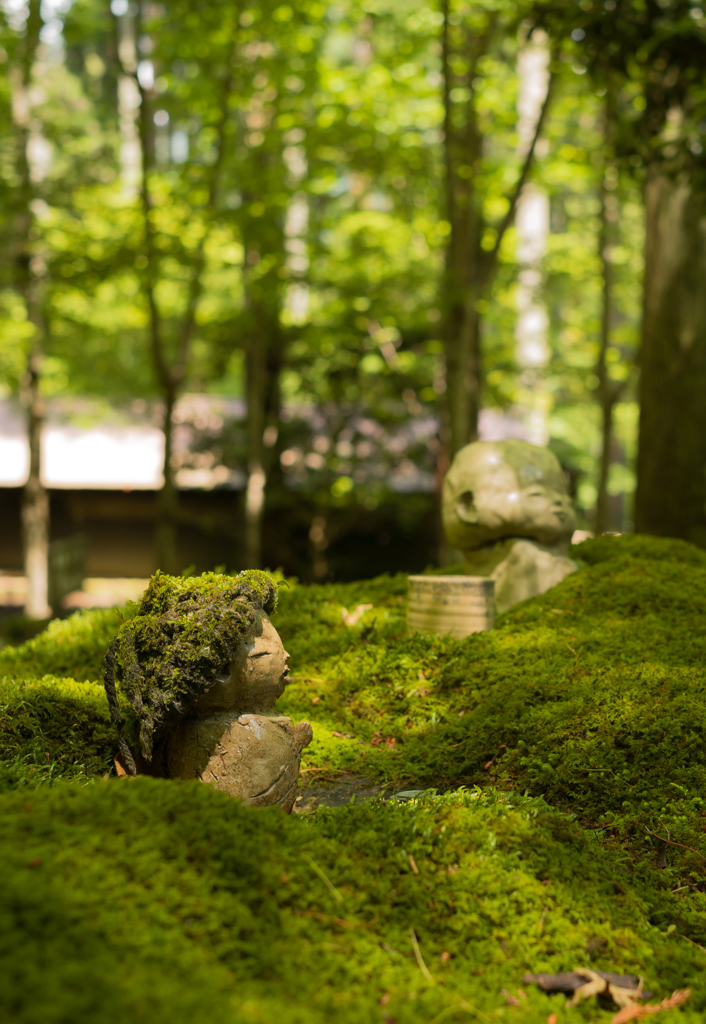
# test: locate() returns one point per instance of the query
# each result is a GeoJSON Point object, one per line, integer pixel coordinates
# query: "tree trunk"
{"type": "Point", "coordinates": [29, 270]}
{"type": "Point", "coordinates": [671, 463]}
{"type": "Point", "coordinates": [463, 368]}
{"type": "Point", "coordinates": [470, 269]}
{"type": "Point", "coordinates": [602, 522]}
{"type": "Point", "coordinates": [607, 392]}
{"type": "Point", "coordinates": [35, 503]}
{"type": "Point", "coordinates": [170, 372]}
{"type": "Point", "coordinates": [256, 389]}
{"type": "Point", "coordinates": [168, 497]}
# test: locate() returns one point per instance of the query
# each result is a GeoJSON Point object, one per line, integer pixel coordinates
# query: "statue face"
{"type": "Point", "coordinates": [506, 489]}
{"type": "Point", "coordinates": [260, 669]}
{"type": "Point", "coordinates": [258, 676]}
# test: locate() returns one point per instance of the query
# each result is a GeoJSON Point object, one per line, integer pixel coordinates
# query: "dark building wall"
{"type": "Point", "coordinates": [119, 529]}
{"type": "Point", "coordinates": [398, 536]}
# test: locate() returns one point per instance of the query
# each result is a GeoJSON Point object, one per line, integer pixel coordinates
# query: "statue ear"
{"type": "Point", "coordinates": [466, 509]}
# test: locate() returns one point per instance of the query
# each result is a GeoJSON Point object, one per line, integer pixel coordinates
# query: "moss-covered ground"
{"type": "Point", "coordinates": [576, 729]}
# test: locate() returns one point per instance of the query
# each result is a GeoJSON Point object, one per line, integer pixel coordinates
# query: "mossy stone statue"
{"type": "Point", "coordinates": [202, 666]}
{"type": "Point", "coordinates": [506, 507]}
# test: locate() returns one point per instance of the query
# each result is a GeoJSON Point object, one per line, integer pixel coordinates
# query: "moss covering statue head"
{"type": "Point", "coordinates": [185, 635]}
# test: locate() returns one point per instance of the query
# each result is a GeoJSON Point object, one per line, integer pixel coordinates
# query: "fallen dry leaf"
{"type": "Point", "coordinates": [635, 1012]}
{"type": "Point", "coordinates": [354, 617]}
{"type": "Point", "coordinates": [378, 739]}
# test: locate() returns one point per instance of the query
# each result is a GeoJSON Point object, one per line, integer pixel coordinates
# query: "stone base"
{"type": "Point", "coordinates": [459, 605]}
{"type": "Point", "coordinates": [252, 757]}
{"type": "Point", "coordinates": [521, 568]}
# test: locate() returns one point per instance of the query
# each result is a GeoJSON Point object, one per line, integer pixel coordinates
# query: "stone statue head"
{"type": "Point", "coordinates": [257, 676]}
{"type": "Point", "coordinates": [192, 636]}
{"type": "Point", "coordinates": [498, 489]}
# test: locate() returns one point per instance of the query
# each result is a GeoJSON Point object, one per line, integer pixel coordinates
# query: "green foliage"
{"type": "Point", "coordinates": [185, 632]}
{"type": "Point", "coordinates": [149, 900]}
{"type": "Point", "coordinates": [326, 238]}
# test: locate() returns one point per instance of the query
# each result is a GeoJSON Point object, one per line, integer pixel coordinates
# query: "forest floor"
{"type": "Point", "coordinates": [561, 823]}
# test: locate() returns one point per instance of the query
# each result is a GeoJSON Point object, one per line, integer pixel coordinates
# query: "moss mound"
{"type": "Point", "coordinates": [152, 901]}
{"type": "Point", "coordinates": [73, 647]}
{"type": "Point", "coordinates": [591, 695]}
{"type": "Point", "coordinates": [53, 730]}
{"type": "Point", "coordinates": [165, 901]}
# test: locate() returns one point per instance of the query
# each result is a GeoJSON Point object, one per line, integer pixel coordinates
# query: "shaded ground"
{"type": "Point", "coordinates": [354, 787]}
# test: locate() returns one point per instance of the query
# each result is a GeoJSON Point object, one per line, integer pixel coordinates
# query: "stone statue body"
{"type": "Point", "coordinates": [506, 506]}
{"type": "Point", "coordinates": [234, 739]}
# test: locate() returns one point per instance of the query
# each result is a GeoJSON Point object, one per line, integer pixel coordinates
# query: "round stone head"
{"type": "Point", "coordinates": [499, 489]}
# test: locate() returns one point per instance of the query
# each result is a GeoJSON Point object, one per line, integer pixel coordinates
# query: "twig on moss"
{"type": "Point", "coordinates": [418, 956]}
{"type": "Point", "coordinates": [462, 1005]}
{"type": "Point", "coordinates": [698, 946]}
{"type": "Point", "coordinates": [330, 886]}
{"type": "Point", "coordinates": [671, 842]}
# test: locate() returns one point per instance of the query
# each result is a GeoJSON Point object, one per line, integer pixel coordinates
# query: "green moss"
{"type": "Point", "coordinates": [51, 730]}
{"type": "Point", "coordinates": [185, 633]}
{"type": "Point", "coordinates": [151, 901]}
{"type": "Point", "coordinates": [165, 901]}
{"type": "Point", "coordinates": [592, 695]}
{"type": "Point", "coordinates": [73, 647]}
{"type": "Point", "coordinates": [630, 545]}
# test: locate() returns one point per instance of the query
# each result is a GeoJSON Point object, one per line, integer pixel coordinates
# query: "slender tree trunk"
{"type": "Point", "coordinates": [256, 390]}
{"type": "Point", "coordinates": [35, 503]}
{"type": "Point", "coordinates": [463, 374]}
{"type": "Point", "coordinates": [29, 272]}
{"type": "Point", "coordinates": [469, 269]}
{"type": "Point", "coordinates": [168, 497]}
{"type": "Point", "coordinates": [461, 323]}
{"type": "Point", "coordinates": [170, 370]}
{"type": "Point", "coordinates": [607, 391]}
{"type": "Point", "coordinates": [263, 364]}
{"type": "Point", "coordinates": [671, 463]}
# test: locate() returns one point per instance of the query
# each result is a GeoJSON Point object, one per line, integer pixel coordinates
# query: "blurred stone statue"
{"type": "Point", "coordinates": [506, 507]}
{"type": "Point", "coordinates": [201, 667]}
